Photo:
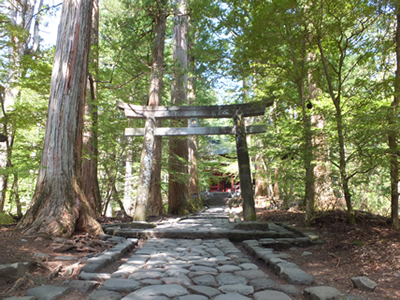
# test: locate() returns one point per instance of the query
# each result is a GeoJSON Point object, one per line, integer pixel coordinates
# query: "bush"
{"type": "Point", "coordinates": [5, 219]}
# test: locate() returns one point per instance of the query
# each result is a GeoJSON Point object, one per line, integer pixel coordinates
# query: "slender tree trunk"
{"type": "Point", "coordinates": [90, 181]}
{"type": "Point", "coordinates": [261, 186]}
{"type": "Point", "coordinates": [155, 206]}
{"type": "Point", "coordinates": [59, 206]}
{"type": "Point", "coordinates": [393, 136]}
{"type": "Point", "coordinates": [343, 165]}
{"type": "Point", "coordinates": [178, 191]}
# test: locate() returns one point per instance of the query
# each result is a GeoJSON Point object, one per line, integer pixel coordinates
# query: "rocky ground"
{"type": "Point", "coordinates": [370, 248]}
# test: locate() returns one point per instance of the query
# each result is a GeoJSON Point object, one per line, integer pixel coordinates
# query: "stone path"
{"type": "Point", "coordinates": [191, 259]}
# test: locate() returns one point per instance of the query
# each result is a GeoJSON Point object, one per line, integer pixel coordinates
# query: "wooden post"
{"type": "Point", "coordinates": [246, 187]}
{"type": "Point", "coordinates": [146, 163]}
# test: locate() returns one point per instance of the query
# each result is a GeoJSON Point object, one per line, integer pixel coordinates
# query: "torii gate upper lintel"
{"type": "Point", "coordinates": [235, 111]}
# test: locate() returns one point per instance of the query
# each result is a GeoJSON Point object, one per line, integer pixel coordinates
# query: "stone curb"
{"type": "Point", "coordinates": [285, 270]}
{"type": "Point", "coordinates": [103, 259]}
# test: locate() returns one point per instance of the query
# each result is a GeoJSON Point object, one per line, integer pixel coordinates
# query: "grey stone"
{"type": "Point", "coordinates": [207, 280]}
{"type": "Point", "coordinates": [170, 290]}
{"type": "Point", "coordinates": [104, 295]}
{"type": "Point", "coordinates": [83, 286]}
{"type": "Point", "coordinates": [248, 266]}
{"type": "Point", "coordinates": [205, 270]}
{"type": "Point", "coordinates": [94, 276]}
{"type": "Point", "coordinates": [91, 267]}
{"type": "Point", "coordinates": [42, 256]}
{"type": "Point", "coordinates": [48, 292]}
{"type": "Point", "coordinates": [288, 289]}
{"type": "Point", "coordinates": [21, 298]}
{"type": "Point", "coordinates": [251, 274]}
{"type": "Point", "coordinates": [134, 297]}
{"type": "Point", "coordinates": [296, 276]}
{"type": "Point", "coordinates": [231, 296]}
{"type": "Point", "coordinates": [204, 290]}
{"type": "Point", "coordinates": [270, 295]}
{"type": "Point", "coordinates": [364, 283]}
{"type": "Point", "coordinates": [146, 274]}
{"type": "Point", "coordinates": [146, 282]}
{"type": "Point", "coordinates": [242, 289]}
{"type": "Point", "coordinates": [228, 278]}
{"type": "Point", "coordinates": [176, 271]}
{"type": "Point", "coordinates": [120, 285]}
{"type": "Point", "coordinates": [306, 253]}
{"type": "Point", "coordinates": [66, 258]}
{"type": "Point", "coordinates": [138, 225]}
{"type": "Point", "coordinates": [191, 297]}
{"type": "Point", "coordinates": [14, 271]}
{"type": "Point", "coordinates": [260, 284]}
{"type": "Point", "coordinates": [180, 279]}
{"type": "Point", "coordinates": [228, 268]}
{"type": "Point", "coordinates": [252, 226]}
{"type": "Point", "coordinates": [321, 293]}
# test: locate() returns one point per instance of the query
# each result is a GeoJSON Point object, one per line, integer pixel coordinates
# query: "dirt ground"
{"type": "Point", "coordinates": [369, 248]}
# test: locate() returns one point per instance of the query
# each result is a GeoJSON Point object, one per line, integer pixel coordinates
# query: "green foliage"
{"type": "Point", "coordinates": [6, 219]}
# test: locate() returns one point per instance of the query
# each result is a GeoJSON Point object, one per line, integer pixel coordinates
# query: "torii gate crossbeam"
{"type": "Point", "coordinates": [235, 111]}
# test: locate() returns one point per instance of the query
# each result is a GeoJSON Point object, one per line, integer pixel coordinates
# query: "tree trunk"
{"type": "Point", "coordinates": [193, 167]}
{"type": "Point", "coordinates": [90, 182]}
{"type": "Point", "coordinates": [246, 185]}
{"type": "Point", "coordinates": [392, 138]}
{"type": "Point", "coordinates": [343, 165]}
{"type": "Point", "coordinates": [261, 186]}
{"type": "Point", "coordinates": [155, 206]}
{"type": "Point", "coordinates": [178, 191]}
{"type": "Point", "coordinates": [309, 195]}
{"type": "Point", "coordinates": [59, 206]}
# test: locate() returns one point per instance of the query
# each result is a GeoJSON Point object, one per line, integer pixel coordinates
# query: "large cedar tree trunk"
{"type": "Point", "coordinates": [59, 206]}
{"type": "Point", "coordinates": [155, 206]}
{"type": "Point", "coordinates": [392, 139]}
{"type": "Point", "coordinates": [90, 181]}
{"type": "Point", "coordinates": [178, 191]}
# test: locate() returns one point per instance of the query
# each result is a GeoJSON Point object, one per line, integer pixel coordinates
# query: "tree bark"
{"type": "Point", "coordinates": [178, 191]}
{"type": "Point", "coordinates": [392, 137]}
{"type": "Point", "coordinates": [59, 206]}
{"type": "Point", "coordinates": [155, 206]}
{"type": "Point", "coordinates": [193, 168]}
{"type": "Point", "coordinates": [90, 181]}
{"type": "Point", "coordinates": [246, 186]}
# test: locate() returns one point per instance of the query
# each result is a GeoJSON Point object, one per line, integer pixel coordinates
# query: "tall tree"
{"type": "Point", "coordinates": [155, 206]}
{"type": "Point", "coordinates": [177, 190]}
{"type": "Point", "coordinates": [393, 135]}
{"type": "Point", "coordinates": [90, 181]}
{"type": "Point", "coordinates": [59, 206]}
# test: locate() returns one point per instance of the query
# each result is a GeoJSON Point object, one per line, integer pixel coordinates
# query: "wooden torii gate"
{"type": "Point", "coordinates": [235, 111]}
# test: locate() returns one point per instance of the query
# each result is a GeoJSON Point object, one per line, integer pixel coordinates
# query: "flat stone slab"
{"type": "Point", "coordinates": [296, 276]}
{"type": "Point", "coordinates": [242, 289]}
{"type": "Point", "coordinates": [270, 295]}
{"type": "Point", "coordinates": [48, 292]}
{"type": "Point", "coordinates": [14, 271]}
{"type": "Point", "coordinates": [321, 293]}
{"type": "Point", "coordinates": [104, 295]}
{"type": "Point", "coordinates": [204, 290]}
{"type": "Point", "coordinates": [231, 296]}
{"type": "Point", "coordinates": [83, 286]}
{"type": "Point", "coordinates": [120, 285]}
{"type": "Point", "coordinates": [170, 290]}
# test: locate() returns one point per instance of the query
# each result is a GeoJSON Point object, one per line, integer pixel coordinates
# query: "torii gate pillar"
{"type": "Point", "coordinates": [246, 186]}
